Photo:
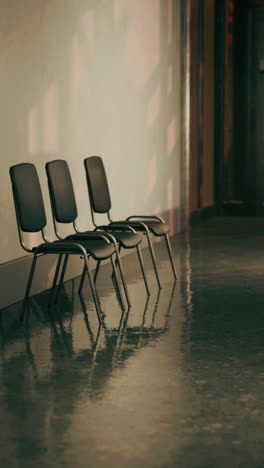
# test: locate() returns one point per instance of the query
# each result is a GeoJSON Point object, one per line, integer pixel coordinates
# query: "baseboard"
{"type": "Point", "coordinates": [14, 274]}
{"type": "Point", "coordinates": [201, 215]}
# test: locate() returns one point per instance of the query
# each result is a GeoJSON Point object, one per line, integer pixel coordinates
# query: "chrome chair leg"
{"type": "Point", "coordinates": [142, 269]}
{"type": "Point", "coordinates": [94, 293]}
{"type": "Point", "coordinates": [30, 278]}
{"type": "Point", "coordinates": [97, 270]}
{"type": "Point", "coordinates": [153, 258]}
{"type": "Point", "coordinates": [83, 276]}
{"type": "Point", "coordinates": [117, 284]}
{"type": "Point", "coordinates": [55, 279]}
{"type": "Point", "coordinates": [121, 271]}
{"type": "Point", "coordinates": [64, 266]}
{"type": "Point", "coordinates": [170, 255]}
{"type": "Point", "coordinates": [82, 280]}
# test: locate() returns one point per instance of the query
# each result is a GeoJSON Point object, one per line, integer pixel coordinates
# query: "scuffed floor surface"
{"type": "Point", "coordinates": [178, 381]}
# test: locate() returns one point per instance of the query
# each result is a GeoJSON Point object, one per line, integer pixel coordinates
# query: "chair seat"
{"type": "Point", "coordinates": [98, 249]}
{"type": "Point", "coordinates": [126, 239]}
{"type": "Point", "coordinates": [156, 227]}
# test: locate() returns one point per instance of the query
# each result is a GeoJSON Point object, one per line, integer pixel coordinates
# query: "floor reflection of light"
{"type": "Point", "coordinates": [50, 119]}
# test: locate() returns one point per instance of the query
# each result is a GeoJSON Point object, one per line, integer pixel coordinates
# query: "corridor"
{"type": "Point", "coordinates": [177, 381]}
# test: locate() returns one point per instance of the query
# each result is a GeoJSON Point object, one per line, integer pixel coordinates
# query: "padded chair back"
{"type": "Point", "coordinates": [28, 198]}
{"type": "Point", "coordinates": [61, 191]}
{"type": "Point", "coordinates": [97, 184]}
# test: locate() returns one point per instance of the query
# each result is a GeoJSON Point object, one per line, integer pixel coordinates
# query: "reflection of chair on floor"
{"type": "Point", "coordinates": [117, 331]}
{"type": "Point", "coordinates": [31, 218]}
{"type": "Point", "coordinates": [100, 202]}
{"type": "Point", "coordinates": [9, 338]}
{"type": "Point", "coordinates": [136, 337]}
{"type": "Point", "coordinates": [123, 341]}
{"type": "Point", "coordinates": [92, 335]}
{"type": "Point", "coordinates": [60, 321]}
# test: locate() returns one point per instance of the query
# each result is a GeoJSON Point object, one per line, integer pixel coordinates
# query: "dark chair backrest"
{"type": "Point", "coordinates": [97, 184]}
{"type": "Point", "coordinates": [28, 198]}
{"type": "Point", "coordinates": [61, 191]}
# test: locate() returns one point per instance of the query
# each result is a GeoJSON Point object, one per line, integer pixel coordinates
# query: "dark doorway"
{"type": "Point", "coordinates": [256, 100]}
{"type": "Point", "coordinates": [240, 107]}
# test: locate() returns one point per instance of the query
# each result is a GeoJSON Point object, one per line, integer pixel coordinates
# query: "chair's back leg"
{"type": "Point", "coordinates": [83, 276]}
{"type": "Point", "coordinates": [117, 284]}
{"type": "Point", "coordinates": [170, 255]}
{"type": "Point", "coordinates": [155, 309]}
{"type": "Point", "coordinates": [119, 250]}
{"type": "Point", "coordinates": [94, 293]}
{"type": "Point", "coordinates": [142, 269]}
{"type": "Point", "coordinates": [55, 279]}
{"type": "Point", "coordinates": [82, 280]}
{"type": "Point", "coordinates": [153, 258]}
{"type": "Point", "coordinates": [64, 266]}
{"type": "Point", "coordinates": [121, 271]}
{"type": "Point", "coordinates": [30, 278]}
{"type": "Point", "coordinates": [97, 270]}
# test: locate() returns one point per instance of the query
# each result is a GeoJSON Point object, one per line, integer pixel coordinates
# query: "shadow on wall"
{"type": "Point", "coordinates": [92, 77]}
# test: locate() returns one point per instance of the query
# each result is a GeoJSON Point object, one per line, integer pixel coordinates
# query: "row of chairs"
{"type": "Point", "coordinates": [104, 242]}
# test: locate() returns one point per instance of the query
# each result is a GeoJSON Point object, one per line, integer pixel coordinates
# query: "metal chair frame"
{"type": "Point", "coordinates": [83, 235]}
{"type": "Point", "coordinates": [60, 247]}
{"type": "Point", "coordinates": [138, 225]}
{"type": "Point", "coordinates": [86, 236]}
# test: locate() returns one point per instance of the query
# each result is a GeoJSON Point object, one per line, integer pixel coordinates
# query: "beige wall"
{"type": "Point", "coordinates": [83, 77]}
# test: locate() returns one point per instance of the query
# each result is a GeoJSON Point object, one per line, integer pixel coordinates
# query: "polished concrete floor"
{"type": "Point", "coordinates": [177, 381]}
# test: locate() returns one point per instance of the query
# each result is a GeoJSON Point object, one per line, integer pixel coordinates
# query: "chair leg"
{"type": "Point", "coordinates": [119, 250]}
{"type": "Point", "coordinates": [83, 276]}
{"type": "Point", "coordinates": [153, 258]}
{"type": "Point", "coordinates": [117, 284]}
{"type": "Point", "coordinates": [94, 293]}
{"type": "Point", "coordinates": [55, 279]}
{"type": "Point", "coordinates": [97, 270]}
{"type": "Point", "coordinates": [121, 271]}
{"type": "Point", "coordinates": [82, 280]}
{"type": "Point", "coordinates": [86, 319]}
{"type": "Point", "coordinates": [30, 278]}
{"type": "Point", "coordinates": [170, 255]}
{"type": "Point", "coordinates": [142, 269]}
{"type": "Point", "coordinates": [62, 277]}
{"type": "Point", "coordinates": [155, 309]}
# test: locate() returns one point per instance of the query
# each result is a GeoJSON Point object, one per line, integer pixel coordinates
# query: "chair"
{"type": "Point", "coordinates": [64, 210]}
{"type": "Point", "coordinates": [31, 218]}
{"type": "Point", "coordinates": [100, 202]}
